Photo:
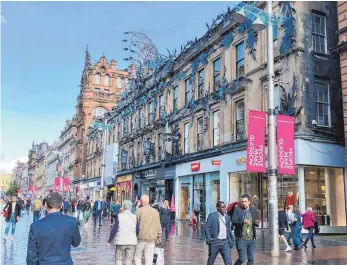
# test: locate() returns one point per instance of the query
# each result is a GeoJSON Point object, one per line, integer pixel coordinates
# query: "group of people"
{"type": "Point", "coordinates": [242, 218]}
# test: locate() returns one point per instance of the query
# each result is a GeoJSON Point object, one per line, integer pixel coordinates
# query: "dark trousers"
{"type": "Point", "coordinates": [166, 229]}
{"type": "Point", "coordinates": [98, 216]}
{"type": "Point", "coordinates": [310, 236]}
{"type": "Point", "coordinates": [246, 249]}
{"type": "Point", "coordinates": [65, 211]}
{"type": "Point", "coordinates": [36, 215]}
{"type": "Point", "coordinates": [113, 217]}
{"type": "Point", "coordinates": [222, 247]}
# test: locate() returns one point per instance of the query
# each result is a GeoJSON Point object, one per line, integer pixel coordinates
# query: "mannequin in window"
{"type": "Point", "coordinates": [290, 200]}
{"type": "Point", "coordinates": [196, 210]}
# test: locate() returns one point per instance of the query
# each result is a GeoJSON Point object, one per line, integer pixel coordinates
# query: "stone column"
{"type": "Point", "coordinates": [301, 179]}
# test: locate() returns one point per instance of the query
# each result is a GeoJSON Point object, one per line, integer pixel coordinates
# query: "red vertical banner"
{"type": "Point", "coordinates": [57, 184]}
{"type": "Point", "coordinates": [285, 145]}
{"type": "Point", "coordinates": [255, 161]}
{"type": "Point", "coordinates": [66, 184]}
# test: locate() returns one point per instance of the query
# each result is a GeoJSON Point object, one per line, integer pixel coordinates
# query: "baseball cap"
{"type": "Point", "coordinates": [54, 200]}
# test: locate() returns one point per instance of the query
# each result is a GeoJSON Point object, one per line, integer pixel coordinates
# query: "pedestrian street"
{"type": "Point", "coordinates": [186, 246]}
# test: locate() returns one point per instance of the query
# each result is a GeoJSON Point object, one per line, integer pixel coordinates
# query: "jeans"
{"type": "Point", "coordinates": [222, 247]}
{"type": "Point", "coordinates": [148, 247]}
{"type": "Point", "coordinates": [36, 216]}
{"type": "Point", "coordinates": [98, 215]}
{"type": "Point", "coordinates": [296, 231]}
{"type": "Point", "coordinates": [12, 222]}
{"type": "Point", "coordinates": [246, 249]}
{"type": "Point", "coordinates": [128, 251]}
{"type": "Point", "coordinates": [310, 236]}
{"type": "Point", "coordinates": [291, 234]}
{"type": "Point", "coordinates": [166, 229]}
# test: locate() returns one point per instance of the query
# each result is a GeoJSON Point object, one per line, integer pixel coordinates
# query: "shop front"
{"type": "Point", "coordinates": [123, 190]}
{"type": "Point", "coordinates": [197, 187]}
{"type": "Point", "coordinates": [319, 183]}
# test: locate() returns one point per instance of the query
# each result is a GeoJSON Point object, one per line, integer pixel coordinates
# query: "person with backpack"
{"type": "Point", "coordinates": [86, 209]}
{"type": "Point", "coordinates": [36, 208]}
{"type": "Point", "coordinates": [308, 220]}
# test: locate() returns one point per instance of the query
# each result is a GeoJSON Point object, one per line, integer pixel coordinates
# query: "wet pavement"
{"type": "Point", "coordinates": [186, 246]}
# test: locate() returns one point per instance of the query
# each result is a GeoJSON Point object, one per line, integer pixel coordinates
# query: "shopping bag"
{"type": "Point", "coordinates": [81, 217]}
{"type": "Point", "coordinates": [158, 257]}
{"type": "Point", "coordinates": [75, 214]}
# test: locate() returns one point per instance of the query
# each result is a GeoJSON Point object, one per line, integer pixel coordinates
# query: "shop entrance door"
{"type": "Point", "coordinates": [200, 195]}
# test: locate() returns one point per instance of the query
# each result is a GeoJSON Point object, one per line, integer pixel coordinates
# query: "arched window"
{"type": "Point", "coordinates": [107, 80]}
{"type": "Point", "coordinates": [99, 112]}
{"type": "Point", "coordinates": [97, 79]}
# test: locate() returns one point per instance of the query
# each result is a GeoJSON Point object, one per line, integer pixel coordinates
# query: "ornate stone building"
{"type": "Point", "coordinates": [101, 85]}
{"type": "Point", "coordinates": [182, 123]}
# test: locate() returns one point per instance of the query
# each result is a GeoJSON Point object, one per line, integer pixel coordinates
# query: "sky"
{"type": "Point", "coordinates": [42, 57]}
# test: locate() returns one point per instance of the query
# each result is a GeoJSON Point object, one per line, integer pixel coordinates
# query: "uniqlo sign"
{"type": "Point", "coordinates": [195, 166]}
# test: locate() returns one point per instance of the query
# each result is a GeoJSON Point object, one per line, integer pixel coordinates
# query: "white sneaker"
{"type": "Point", "coordinates": [288, 249]}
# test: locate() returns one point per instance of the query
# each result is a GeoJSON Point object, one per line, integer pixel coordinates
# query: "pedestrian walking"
{"type": "Point", "coordinates": [155, 205]}
{"type": "Point", "coordinates": [297, 227]}
{"type": "Point", "coordinates": [245, 221]}
{"type": "Point", "coordinates": [86, 209]}
{"type": "Point", "coordinates": [290, 218]}
{"type": "Point", "coordinates": [165, 215]}
{"type": "Point", "coordinates": [13, 213]}
{"type": "Point", "coordinates": [124, 229]}
{"type": "Point", "coordinates": [149, 231]}
{"type": "Point", "coordinates": [282, 226]}
{"type": "Point", "coordinates": [308, 220]}
{"type": "Point", "coordinates": [79, 209]}
{"type": "Point", "coordinates": [115, 210]}
{"type": "Point", "coordinates": [136, 206]}
{"type": "Point", "coordinates": [218, 235]}
{"type": "Point", "coordinates": [66, 206]}
{"type": "Point", "coordinates": [2, 205]}
{"type": "Point", "coordinates": [97, 211]}
{"type": "Point", "coordinates": [28, 205]}
{"type": "Point", "coordinates": [44, 207]}
{"type": "Point", "coordinates": [51, 238]}
{"type": "Point", "coordinates": [105, 208]}
{"type": "Point", "coordinates": [196, 210]}
{"type": "Point", "coordinates": [36, 208]}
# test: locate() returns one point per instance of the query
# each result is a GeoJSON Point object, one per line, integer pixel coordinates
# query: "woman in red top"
{"type": "Point", "coordinates": [308, 220]}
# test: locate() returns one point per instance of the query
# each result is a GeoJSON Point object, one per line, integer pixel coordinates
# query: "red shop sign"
{"type": "Point", "coordinates": [216, 162]}
{"type": "Point", "coordinates": [195, 166]}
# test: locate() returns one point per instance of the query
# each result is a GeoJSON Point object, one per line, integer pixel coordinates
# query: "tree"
{"type": "Point", "coordinates": [12, 189]}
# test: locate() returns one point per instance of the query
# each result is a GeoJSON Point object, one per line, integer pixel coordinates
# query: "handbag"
{"type": "Point", "coordinates": [6, 212]}
{"type": "Point", "coordinates": [316, 227]}
{"type": "Point", "coordinates": [158, 257]}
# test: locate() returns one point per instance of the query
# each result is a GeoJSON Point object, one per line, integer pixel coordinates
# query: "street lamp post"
{"type": "Point", "coordinates": [258, 25]}
{"type": "Point", "coordinates": [104, 127]}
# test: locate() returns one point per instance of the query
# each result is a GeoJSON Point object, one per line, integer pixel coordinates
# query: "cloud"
{"type": "Point", "coordinates": [3, 20]}
{"type": "Point", "coordinates": [6, 166]}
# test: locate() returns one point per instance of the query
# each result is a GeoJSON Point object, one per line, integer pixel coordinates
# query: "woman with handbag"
{"type": "Point", "coordinates": [308, 221]}
{"type": "Point", "coordinates": [12, 212]}
{"type": "Point", "coordinates": [165, 215]}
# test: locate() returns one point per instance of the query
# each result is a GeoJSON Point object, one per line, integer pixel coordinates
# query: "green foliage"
{"type": "Point", "coordinates": [12, 189]}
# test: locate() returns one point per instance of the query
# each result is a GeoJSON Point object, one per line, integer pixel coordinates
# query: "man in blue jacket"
{"type": "Point", "coordinates": [244, 221]}
{"type": "Point", "coordinates": [97, 211]}
{"type": "Point", "coordinates": [218, 235]}
{"type": "Point", "coordinates": [51, 238]}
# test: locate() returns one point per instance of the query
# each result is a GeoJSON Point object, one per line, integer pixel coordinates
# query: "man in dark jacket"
{"type": "Point", "coordinates": [13, 209]}
{"type": "Point", "coordinates": [50, 238]}
{"type": "Point", "coordinates": [244, 221]}
{"type": "Point", "coordinates": [218, 235]}
{"type": "Point", "coordinates": [97, 211]}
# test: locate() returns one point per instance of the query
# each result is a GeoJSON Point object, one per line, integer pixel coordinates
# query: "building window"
{"type": "Point", "coordinates": [240, 60]}
{"type": "Point", "coordinates": [124, 127]}
{"type": "Point", "coordinates": [160, 146]}
{"type": "Point", "coordinates": [97, 79]}
{"type": "Point", "coordinates": [201, 80]}
{"type": "Point", "coordinates": [216, 74]}
{"type": "Point", "coordinates": [322, 102]}
{"type": "Point", "coordinates": [175, 99]}
{"type": "Point", "coordinates": [319, 40]}
{"type": "Point", "coordinates": [107, 80]}
{"type": "Point", "coordinates": [161, 106]}
{"type": "Point", "coordinates": [187, 91]}
{"type": "Point", "coordinates": [106, 92]}
{"type": "Point", "coordinates": [200, 135]}
{"type": "Point", "coordinates": [97, 90]}
{"type": "Point", "coordinates": [139, 153]}
{"type": "Point", "coordinates": [99, 112]}
{"type": "Point", "coordinates": [275, 35]}
{"type": "Point", "coordinates": [240, 120]}
{"type": "Point", "coordinates": [141, 119]}
{"type": "Point", "coordinates": [119, 131]}
{"type": "Point", "coordinates": [119, 82]}
{"type": "Point", "coordinates": [216, 126]}
{"type": "Point", "coordinates": [186, 138]}
{"type": "Point", "coordinates": [277, 99]}
{"type": "Point", "coordinates": [151, 112]}
{"type": "Point", "coordinates": [131, 123]}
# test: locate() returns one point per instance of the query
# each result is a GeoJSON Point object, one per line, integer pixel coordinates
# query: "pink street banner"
{"type": "Point", "coordinates": [255, 161]}
{"type": "Point", "coordinates": [66, 184]}
{"type": "Point", "coordinates": [57, 184]}
{"type": "Point", "coordinates": [285, 145]}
